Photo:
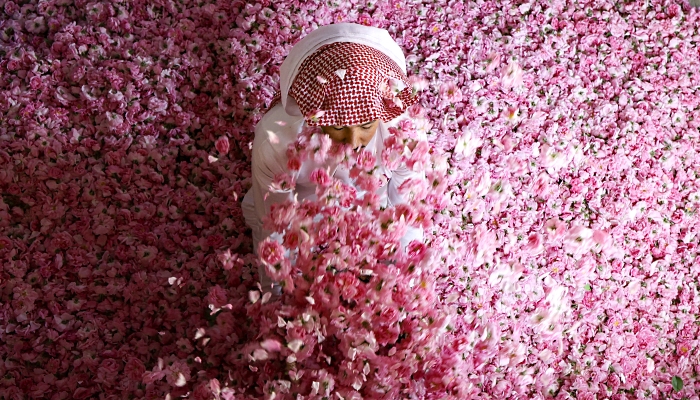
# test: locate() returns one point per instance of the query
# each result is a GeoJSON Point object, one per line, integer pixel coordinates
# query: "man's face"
{"type": "Point", "coordinates": [356, 135]}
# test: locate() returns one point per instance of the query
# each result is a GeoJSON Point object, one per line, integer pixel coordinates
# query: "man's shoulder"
{"type": "Point", "coordinates": [277, 129]}
{"type": "Point", "coordinates": [278, 117]}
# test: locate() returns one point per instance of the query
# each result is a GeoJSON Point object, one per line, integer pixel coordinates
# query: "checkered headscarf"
{"type": "Point", "coordinates": [344, 84]}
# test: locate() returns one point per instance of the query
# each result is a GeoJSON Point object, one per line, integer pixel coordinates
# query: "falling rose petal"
{"type": "Point", "coordinates": [295, 345]}
{"type": "Point", "coordinates": [396, 85]}
{"type": "Point", "coordinates": [352, 353]}
{"type": "Point", "coordinates": [266, 297]}
{"type": "Point", "coordinates": [272, 137]}
{"type": "Point", "coordinates": [315, 115]}
{"type": "Point", "coordinates": [512, 76]}
{"type": "Point", "coordinates": [281, 123]}
{"type": "Point", "coordinates": [181, 381]}
{"type": "Point", "coordinates": [271, 345]}
{"type": "Point", "coordinates": [321, 79]}
{"type": "Point", "coordinates": [253, 296]}
{"type": "Point", "coordinates": [341, 73]}
{"type": "Point", "coordinates": [296, 375]}
{"type": "Point", "coordinates": [260, 354]}
{"type": "Point", "coordinates": [213, 159]}
{"type": "Point", "coordinates": [215, 387]}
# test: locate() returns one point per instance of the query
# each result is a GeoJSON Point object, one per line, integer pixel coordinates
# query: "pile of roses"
{"type": "Point", "coordinates": [560, 213]}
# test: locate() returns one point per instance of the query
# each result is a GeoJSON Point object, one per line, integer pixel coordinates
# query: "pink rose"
{"type": "Point", "coordinates": [366, 161]}
{"type": "Point", "coordinates": [146, 254]}
{"type": "Point", "coordinates": [586, 396]}
{"type": "Point", "coordinates": [283, 183]}
{"type": "Point", "coordinates": [35, 82]}
{"type": "Point", "coordinates": [178, 373]}
{"type": "Point", "coordinates": [294, 164]}
{"type": "Point", "coordinates": [157, 105]}
{"type": "Point", "coordinates": [11, 8]}
{"type": "Point", "coordinates": [450, 93]}
{"type": "Point", "coordinates": [222, 145]}
{"type": "Point", "coordinates": [12, 65]}
{"type": "Point", "coordinates": [226, 322]}
{"type": "Point", "coordinates": [134, 369]}
{"type": "Point", "coordinates": [293, 238]}
{"type": "Point", "coordinates": [415, 250]}
{"type": "Point", "coordinates": [320, 177]}
{"type": "Point", "coordinates": [683, 347]}
{"type": "Point", "coordinates": [108, 371]}
{"type": "Point", "coordinates": [534, 244]}
{"type": "Point", "coordinates": [270, 251]}
{"type": "Point", "coordinates": [202, 392]}
{"type": "Point", "coordinates": [217, 296]}
{"type": "Point", "coordinates": [5, 244]}
{"type": "Point", "coordinates": [613, 382]}
{"type": "Point", "coordinates": [555, 228]}
{"type": "Point", "coordinates": [646, 339]}
{"type": "Point", "coordinates": [417, 111]}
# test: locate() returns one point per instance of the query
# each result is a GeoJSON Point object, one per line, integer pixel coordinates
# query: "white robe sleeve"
{"type": "Point", "coordinates": [268, 161]}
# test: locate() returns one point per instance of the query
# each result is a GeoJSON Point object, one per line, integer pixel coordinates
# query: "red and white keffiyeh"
{"type": "Point", "coordinates": [345, 74]}
{"type": "Point", "coordinates": [344, 84]}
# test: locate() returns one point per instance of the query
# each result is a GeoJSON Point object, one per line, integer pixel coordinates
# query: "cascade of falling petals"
{"type": "Point", "coordinates": [360, 317]}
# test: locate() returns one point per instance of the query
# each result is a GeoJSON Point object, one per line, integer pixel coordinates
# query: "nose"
{"type": "Point", "coordinates": [355, 138]}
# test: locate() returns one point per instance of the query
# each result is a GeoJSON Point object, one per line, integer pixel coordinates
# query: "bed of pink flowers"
{"type": "Point", "coordinates": [560, 212]}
